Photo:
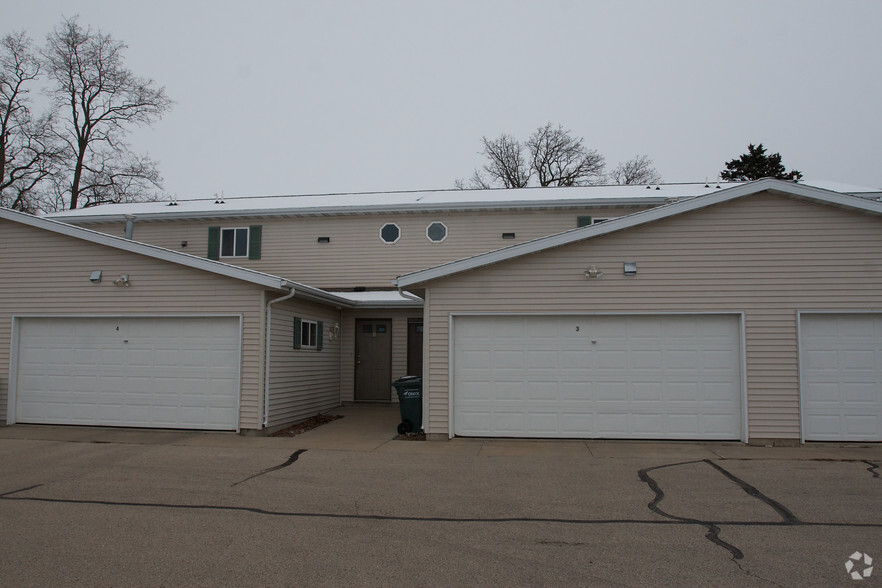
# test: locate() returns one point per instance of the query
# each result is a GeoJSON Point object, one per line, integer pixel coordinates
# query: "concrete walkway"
{"type": "Point", "coordinates": [373, 429]}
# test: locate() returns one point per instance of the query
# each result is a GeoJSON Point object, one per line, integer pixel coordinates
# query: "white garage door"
{"type": "Point", "coordinates": [648, 377]}
{"type": "Point", "coordinates": [129, 372]}
{"type": "Point", "coordinates": [841, 375]}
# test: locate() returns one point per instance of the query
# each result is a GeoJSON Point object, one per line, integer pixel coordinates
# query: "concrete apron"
{"type": "Point", "coordinates": [373, 429]}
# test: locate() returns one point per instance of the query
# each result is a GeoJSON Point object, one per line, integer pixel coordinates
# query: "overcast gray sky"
{"type": "Point", "coordinates": [292, 97]}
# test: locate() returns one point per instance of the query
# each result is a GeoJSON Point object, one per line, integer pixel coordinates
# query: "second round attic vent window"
{"type": "Point", "coordinates": [436, 232]}
{"type": "Point", "coordinates": [390, 233]}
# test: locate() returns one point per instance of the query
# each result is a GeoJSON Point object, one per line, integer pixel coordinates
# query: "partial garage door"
{"type": "Point", "coordinates": [841, 376]}
{"type": "Point", "coordinates": [639, 377]}
{"type": "Point", "coordinates": [129, 372]}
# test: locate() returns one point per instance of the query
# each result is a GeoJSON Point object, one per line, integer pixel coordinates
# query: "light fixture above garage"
{"type": "Point", "coordinates": [593, 272]}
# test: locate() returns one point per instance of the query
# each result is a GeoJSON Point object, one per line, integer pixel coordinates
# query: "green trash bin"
{"type": "Point", "coordinates": [410, 401]}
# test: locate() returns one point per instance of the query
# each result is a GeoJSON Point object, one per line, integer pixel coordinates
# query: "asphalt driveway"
{"type": "Point", "coordinates": [228, 510]}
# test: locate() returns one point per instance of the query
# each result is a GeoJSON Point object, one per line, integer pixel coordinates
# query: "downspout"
{"type": "Point", "coordinates": [130, 226]}
{"type": "Point", "coordinates": [409, 296]}
{"type": "Point", "coordinates": [266, 361]}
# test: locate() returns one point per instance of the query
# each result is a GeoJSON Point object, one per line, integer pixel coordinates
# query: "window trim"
{"type": "Point", "coordinates": [442, 239]}
{"type": "Point", "coordinates": [397, 239]}
{"type": "Point", "coordinates": [313, 330]}
{"type": "Point", "coordinates": [308, 334]}
{"type": "Point", "coordinates": [235, 233]}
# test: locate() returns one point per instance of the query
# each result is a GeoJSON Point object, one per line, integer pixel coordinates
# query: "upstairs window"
{"type": "Point", "coordinates": [237, 242]}
{"type": "Point", "coordinates": [234, 243]}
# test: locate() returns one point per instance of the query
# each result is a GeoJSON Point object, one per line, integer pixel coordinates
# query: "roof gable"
{"type": "Point", "coordinates": [779, 187]}
{"type": "Point", "coordinates": [184, 259]}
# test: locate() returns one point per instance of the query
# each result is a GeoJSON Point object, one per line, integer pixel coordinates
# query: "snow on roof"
{"type": "Point", "coordinates": [367, 202]}
{"type": "Point", "coordinates": [379, 298]}
{"type": "Point", "coordinates": [841, 188]}
{"type": "Point", "coordinates": [415, 201]}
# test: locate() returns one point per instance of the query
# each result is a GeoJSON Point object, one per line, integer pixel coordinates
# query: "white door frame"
{"type": "Point", "coordinates": [12, 388]}
{"type": "Point", "coordinates": [742, 349]}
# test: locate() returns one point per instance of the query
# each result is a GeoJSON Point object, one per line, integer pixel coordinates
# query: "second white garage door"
{"type": "Point", "coordinates": [169, 372]}
{"type": "Point", "coordinates": [637, 377]}
{"type": "Point", "coordinates": [841, 376]}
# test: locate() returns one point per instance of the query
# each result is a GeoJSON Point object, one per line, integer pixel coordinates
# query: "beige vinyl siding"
{"type": "Point", "coordinates": [356, 256]}
{"type": "Point", "coordinates": [48, 274]}
{"type": "Point", "coordinates": [303, 382]}
{"type": "Point", "coordinates": [763, 255]}
{"type": "Point", "coordinates": [399, 318]}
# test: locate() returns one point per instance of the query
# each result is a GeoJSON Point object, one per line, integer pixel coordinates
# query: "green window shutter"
{"type": "Point", "coordinates": [214, 243]}
{"type": "Point", "coordinates": [583, 221]}
{"type": "Point", "coordinates": [297, 328]}
{"type": "Point", "coordinates": [254, 232]}
{"type": "Point", "coordinates": [319, 336]}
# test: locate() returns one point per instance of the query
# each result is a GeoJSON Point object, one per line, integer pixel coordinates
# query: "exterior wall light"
{"type": "Point", "coordinates": [593, 272]}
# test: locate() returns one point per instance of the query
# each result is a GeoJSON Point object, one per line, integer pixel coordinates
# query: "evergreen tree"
{"type": "Point", "coordinates": [755, 164]}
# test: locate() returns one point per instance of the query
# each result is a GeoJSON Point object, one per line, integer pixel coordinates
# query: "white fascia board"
{"type": "Point", "coordinates": [632, 220]}
{"type": "Point", "coordinates": [366, 210]}
{"type": "Point", "coordinates": [185, 259]}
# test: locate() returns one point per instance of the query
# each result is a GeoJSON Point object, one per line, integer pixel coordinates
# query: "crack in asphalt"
{"type": "Point", "coordinates": [291, 460]}
{"type": "Point", "coordinates": [713, 530]}
{"type": "Point", "coordinates": [779, 508]}
{"type": "Point", "coordinates": [676, 521]}
{"type": "Point", "coordinates": [873, 466]}
{"type": "Point", "coordinates": [672, 520]}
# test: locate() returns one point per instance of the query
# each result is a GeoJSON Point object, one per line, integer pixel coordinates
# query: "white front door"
{"type": "Point", "coordinates": [841, 376]}
{"type": "Point", "coordinates": [635, 376]}
{"type": "Point", "coordinates": [168, 372]}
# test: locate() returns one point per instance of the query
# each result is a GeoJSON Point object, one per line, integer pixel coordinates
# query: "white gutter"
{"type": "Point", "coordinates": [266, 376]}
{"type": "Point", "coordinates": [410, 296]}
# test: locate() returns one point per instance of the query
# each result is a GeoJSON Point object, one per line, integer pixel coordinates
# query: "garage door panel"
{"type": "Point", "coordinates": [605, 376]}
{"type": "Point", "coordinates": [180, 372]}
{"type": "Point", "coordinates": [841, 376]}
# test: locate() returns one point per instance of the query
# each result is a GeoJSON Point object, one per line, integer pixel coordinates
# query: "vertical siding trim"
{"type": "Point", "coordinates": [450, 370]}
{"type": "Point", "coordinates": [12, 385]}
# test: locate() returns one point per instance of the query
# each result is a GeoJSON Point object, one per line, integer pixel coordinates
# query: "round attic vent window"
{"type": "Point", "coordinates": [436, 232]}
{"type": "Point", "coordinates": [390, 233]}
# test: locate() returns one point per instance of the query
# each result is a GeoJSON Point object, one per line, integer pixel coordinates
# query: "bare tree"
{"type": "Point", "coordinates": [552, 155]}
{"type": "Point", "coordinates": [559, 159]}
{"type": "Point", "coordinates": [638, 170]}
{"type": "Point", "coordinates": [506, 161]}
{"type": "Point", "coordinates": [103, 100]}
{"type": "Point", "coordinates": [26, 148]}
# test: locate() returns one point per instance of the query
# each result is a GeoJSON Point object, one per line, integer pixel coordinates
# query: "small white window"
{"type": "Point", "coordinates": [390, 233]}
{"type": "Point", "coordinates": [234, 242]}
{"type": "Point", "coordinates": [308, 334]}
{"type": "Point", "coordinates": [436, 232]}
